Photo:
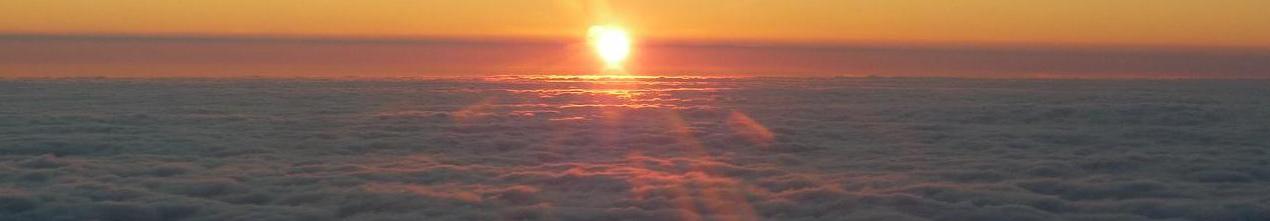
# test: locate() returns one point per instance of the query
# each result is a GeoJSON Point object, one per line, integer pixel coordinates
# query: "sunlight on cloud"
{"type": "Point", "coordinates": [686, 148]}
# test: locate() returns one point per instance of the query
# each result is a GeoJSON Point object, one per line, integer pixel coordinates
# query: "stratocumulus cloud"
{"type": "Point", "coordinates": [634, 149]}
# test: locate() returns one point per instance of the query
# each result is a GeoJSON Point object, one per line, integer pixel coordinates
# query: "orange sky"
{"type": "Point", "coordinates": [1237, 23]}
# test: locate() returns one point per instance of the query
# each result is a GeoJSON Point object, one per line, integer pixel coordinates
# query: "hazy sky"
{"type": "Point", "coordinates": [974, 38]}
{"type": "Point", "coordinates": [1242, 23]}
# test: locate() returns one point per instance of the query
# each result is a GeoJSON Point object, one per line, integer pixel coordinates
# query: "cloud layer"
{"type": "Point", "coordinates": [649, 149]}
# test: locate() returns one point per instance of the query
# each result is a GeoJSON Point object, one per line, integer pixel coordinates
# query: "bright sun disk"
{"type": "Point", "coordinates": [612, 43]}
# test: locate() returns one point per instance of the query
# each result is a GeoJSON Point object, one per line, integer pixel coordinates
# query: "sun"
{"type": "Point", "coordinates": [612, 43]}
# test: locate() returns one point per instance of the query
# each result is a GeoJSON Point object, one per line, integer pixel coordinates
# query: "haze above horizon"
{"type": "Point", "coordinates": [972, 38]}
{"type": "Point", "coordinates": [1231, 23]}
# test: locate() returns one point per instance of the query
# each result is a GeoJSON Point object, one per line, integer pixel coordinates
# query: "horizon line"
{"type": "Point", "coordinates": [652, 76]}
{"type": "Point", "coordinates": [645, 41]}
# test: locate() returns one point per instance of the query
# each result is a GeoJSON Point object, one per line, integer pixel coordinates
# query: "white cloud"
{"type": "Point", "coordinates": [839, 148]}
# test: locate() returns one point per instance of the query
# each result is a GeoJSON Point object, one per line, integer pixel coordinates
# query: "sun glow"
{"type": "Point", "coordinates": [612, 43]}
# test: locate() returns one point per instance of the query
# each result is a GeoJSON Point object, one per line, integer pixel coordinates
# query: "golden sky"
{"type": "Point", "coordinates": [1132, 22]}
